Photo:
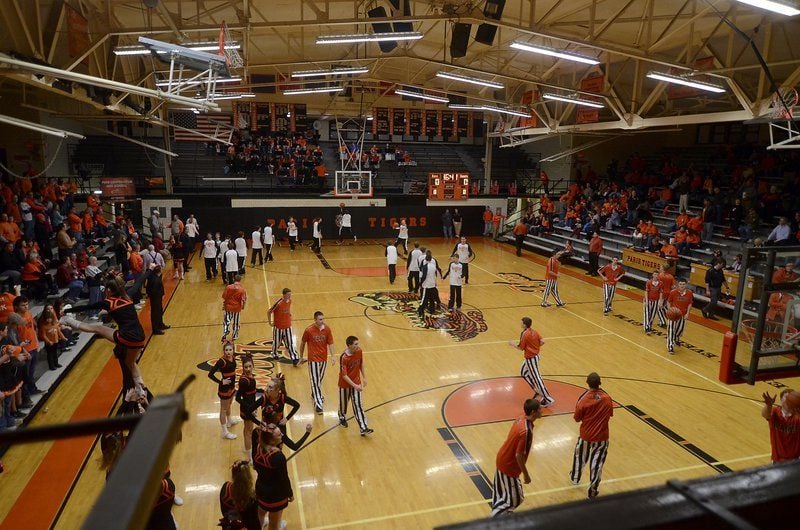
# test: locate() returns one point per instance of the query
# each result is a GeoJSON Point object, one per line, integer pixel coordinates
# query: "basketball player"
{"type": "Point", "coordinates": [346, 227]}
{"type": "Point", "coordinates": [256, 247]}
{"type": "Point", "coordinates": [319, 338]}
{"type": "Point", "coordinates": [682, 299]}
{"type": "Point", "coordinates": [316, 233]}
{"type": "Point", "coordinates": [593, 411]}
{"type": "Point", "coordinates": [291, 229]}
{"type": "Point", "coordinates": [241, 251]}
{"type": "Point", "coordinates": [511, 458]}
{"type": "Point", "coordinates": [430, 294]}
{"type": "Point", "coordinates": [551, 279]}
{"type": "Point", "coordinates": [456, 273]}
{"type": "Point", "coordinates": [651, 301]}
{"type": "Point", "coordinates": [226, 387]}
{"type": "Point", "coordinates": [234, 298]}
{"type": "Point", "coordinates": [210, 256]}
{"type": "Point", "coordinates": [667, 282]}
{"type": "Point", "coordinates": [412, 266]}
{"type": "Point", "coordinates": [530, 342]}
{"type": "Point", "coordinates": [269, 240]}
{"type": "Point", "coordinates": [784, 428]}
{"type": "Point", "coordinates": [402, 235]}
{"type": "Point", "coordinates": [464, 252]}
{"type": "Point", "coordinates": [391, 260]}
{"type": "Point", "coordinates": [231, 259]}
{"type": "Point", "coordinates": [611, 273]}
{"type": "Point", "coordinates": [352, 381]}
{"type": "Point", "coordinates": [280, 318]}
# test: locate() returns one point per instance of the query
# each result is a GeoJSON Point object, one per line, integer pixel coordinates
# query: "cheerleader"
{"type": "Point", "coordinates": [178, 256]}
{"type": "Point", "coordinates": [237, 499]}
{"type": "Point", "coordinates": [272, 403]}
{"type": "Point", "coordinates": [129, 337]}
{"type": "Point", "coordinates": [226, 366]}
{"type": "Point", "coordinates": [246, 397]}
{"type": "Point", "coordinates": [273, 487]}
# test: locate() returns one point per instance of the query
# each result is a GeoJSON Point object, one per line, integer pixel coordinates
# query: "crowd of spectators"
{"type": "Point", "coordinates": [294, 160]}
{"type": "Point", "coordinates": [744, 195]}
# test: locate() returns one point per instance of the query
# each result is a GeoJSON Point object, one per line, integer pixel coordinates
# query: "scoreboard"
{"type": "Point", "coordinates": [448, 186]}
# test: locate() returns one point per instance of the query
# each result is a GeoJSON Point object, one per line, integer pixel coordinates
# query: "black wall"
{"type": "Point", "coordinates": [368, 223]}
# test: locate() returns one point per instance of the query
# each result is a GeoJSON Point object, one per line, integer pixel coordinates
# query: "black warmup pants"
{"type": "Point", "coordinates": [392, 272]}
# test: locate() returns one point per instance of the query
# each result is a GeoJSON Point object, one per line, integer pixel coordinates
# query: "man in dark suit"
{"type": "Point", "coordinates": [155, 292]}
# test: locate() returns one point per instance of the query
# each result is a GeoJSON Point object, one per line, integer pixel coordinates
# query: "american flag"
{"type": "Point", "coordinates": [205, 123]}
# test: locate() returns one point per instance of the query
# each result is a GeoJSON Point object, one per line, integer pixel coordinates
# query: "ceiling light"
{"type": "Point", "coordinates": [467, 79]}
{"type": "Point", "coordinates": [574, 100]}
{"type": "Point", "coordinates": [318, 90]}
{"type": "Point", "coordinates": [421, 95]}
{"type": "Point", "coordinates": [510, 112]}
{"type": "Point", "coordinates": [678, 80]}
{"type": "Point", "coordinates": [183, 82]}
{"type": "Point", "coordinates": [221, 96]}
{"type": "Point", "coordinates": [464, 107]}
{"type": "Point", "coordinates": [554, 53]}
{"type": "Point", "coordinates": [369, 37]}
{"type": "Point", "coordinates": [775, 7]}
{"type": "Point", "coordinates": [335, 71]}
{"type": "Point", "coordinates": [197, 46]}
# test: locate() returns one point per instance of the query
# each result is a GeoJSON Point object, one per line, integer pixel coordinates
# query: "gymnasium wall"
{"type": "Point", "coordinates": [368, 222]}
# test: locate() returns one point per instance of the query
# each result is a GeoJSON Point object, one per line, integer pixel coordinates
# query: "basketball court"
{"type": "Point", "coordinates": [440, 395]}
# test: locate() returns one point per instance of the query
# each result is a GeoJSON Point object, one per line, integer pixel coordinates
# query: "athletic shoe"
{"type": "Point", "coordinates": [233, 421]}
{"type": "Point", "coordinates": [343, 422]}
{"type": "Point", "coordinates": [544, 304]}
{"type": "Point", "coordinates": [317, 410]}
{"type": "Point", "coordinates": [366, 432]}
{"type": "Point", "coordinates": [592, 494]}
{"type": "Point", "coordinates": [648, 331]}
{"type": "Point", "coordinates": [158, 332]}
{"type": "Point", "coordinates": [670, 351]}
{"type": "Point", "coordinates": [177, 501]}
{"type": "Point", "coordinates": [228, 436]}
{"type": "Point", "coordinates": [561, 305]}
{"type": "Point", "coordinates": [283, 525]}
{"type": "Point", "coordinates": [605, 313]}
{"type": "Point", "coordinates": [545, 404]}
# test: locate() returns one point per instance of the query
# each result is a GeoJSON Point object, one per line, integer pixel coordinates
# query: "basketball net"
{"type": "Point", "coordinates": [233, 57]}
{"type": "Point", "coordinates": [783, 102]}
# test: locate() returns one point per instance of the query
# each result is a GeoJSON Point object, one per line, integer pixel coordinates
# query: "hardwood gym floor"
{"type": "Point", "coordinates": [439, 396]}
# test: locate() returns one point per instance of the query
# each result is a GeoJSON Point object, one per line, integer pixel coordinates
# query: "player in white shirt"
{"type": "Point", "coordinates": [231, 259]}
{"type": "Point", "coordinates": [464, 253]}
{"type": "Point", "coordinates": [241, 250]}
{"type": "Point", "coordinates": [391, 260]}
{"type": "Point", "coordinates": [269, 240]}
{"type": "Point", "coordinates": [291, 229]}
{"type": "Point", "coordinates": [346, 227]}
{"type": "Point", "coordinates": [430, 294]}
{"type": "Point", "coordinates": [210, 256]}
{"type": "Point", "coordinates": [192, 230]}
{"type": "Point", "coordinates": [455, 272]}
{"type": "Point", "coordinates": [255, 237]}
{"type": "Point", "coordinates": [316, 233]}
{"type": "Point", "coordinates": [402, 235]}
{"type": "Point", "coordinates": [412, 266]}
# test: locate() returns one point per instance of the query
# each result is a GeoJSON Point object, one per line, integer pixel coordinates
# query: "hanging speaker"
{"type": "Point", "coordinates": [460, 39]}
{"type": "Point", "coordinates": [485, 34]}
{"type": "Point", "coordinates": [382, 27]}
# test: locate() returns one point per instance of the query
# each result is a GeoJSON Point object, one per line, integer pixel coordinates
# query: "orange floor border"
{"type": "Point", "coordinates": [40, 503]}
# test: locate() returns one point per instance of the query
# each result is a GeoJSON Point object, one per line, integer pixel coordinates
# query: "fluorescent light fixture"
{"type": "Point", "coordinates": [183, 82]}
{"type": "Point", "coordinates": [421, 95]}
{"type": "Point", "coordinates": [98, 192]}
{"type": "Point", "coordinates": [232, 95]}
{"type": "Point", "coordinates": [335, 71]}
{"type": "Point", "coordinates": [197, 46]}
{"type": "Point", "coordinates": [510, 112]}
{"type": "Point", "coordinates": [775, 7]}
{"type": "Point", "coordinates": [369, 37]}
{"type": "Point", "coordinates": [467, 79]}
{"type": "Point", "coordinates": [318, 90]}
{"type": "Point", "coordinates": [464, 107]}
{"type": "Point", "coordinates": [678, 80]}
{"type": "Point", "coordinates": [574, 100]}
{"type": "Point", "coordinates": [554, 53]}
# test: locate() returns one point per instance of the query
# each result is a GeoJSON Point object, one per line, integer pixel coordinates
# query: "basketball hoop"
{"type": "Point", "coordinates": [226, 43]}
{"type": "Point", "coordinates": [774, 336]}
{"type": "Point", "coordinates": [783, 102]}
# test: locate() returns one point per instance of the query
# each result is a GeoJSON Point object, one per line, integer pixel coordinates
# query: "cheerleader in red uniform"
{"type": "Point", "coordinates": [272, 403]}
{"type": "Point", "coordinates": [273, 488]}
{"type": "Point", "coordinates": [226, 366]}
{"type": "Point", "coordinates": [246, 397]}
{"type": "Point", "coordinates": [237, 499]}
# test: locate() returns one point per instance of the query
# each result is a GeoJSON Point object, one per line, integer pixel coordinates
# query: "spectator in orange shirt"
{"type": "Point", "coordinates": [136, 262]}
{"type": "Point", "coordinates": [695, 224]}
{"type": "Point", "coordinates": [9, 230]}
{"type": "Point", "coordinates": [487, 221]}
{"type": "Point", "coordinates": [682, 220]}
{"type": "Point", "coordinates": [785, 274]}
{"type": "Point", "coordinates": [75, 225]}
{"type": "Point", "coordinates": [681, 240]}
{"type": "Point", "coordinates": [35, 277]}
{"type": "Point", "coordinates": [669, 251]}
{"type": "Point", "coordinates": [520, 231]}
{"type": "Point", "coordinates": [497, 220]}
{"type": "Point", "coordinates": [776, 306]}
